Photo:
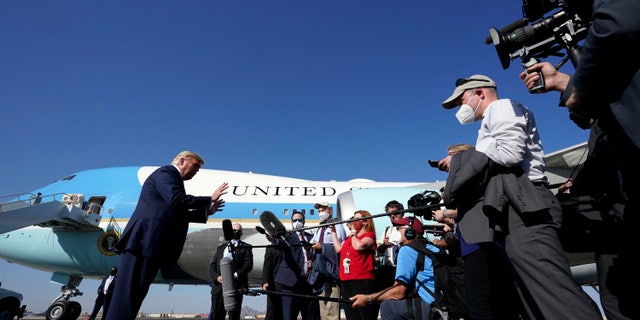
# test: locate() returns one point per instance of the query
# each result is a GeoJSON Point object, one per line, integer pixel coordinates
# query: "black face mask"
{"type": "Point", "coordinates": [237, 235]}
{"type": "Point", "coordinates": [113, 272]}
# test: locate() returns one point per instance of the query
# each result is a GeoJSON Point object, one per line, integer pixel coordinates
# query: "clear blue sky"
{"type": "Point", "coordinates": [308, 89]}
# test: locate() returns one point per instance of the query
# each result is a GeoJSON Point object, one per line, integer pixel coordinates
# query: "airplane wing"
{"type": "Point", "coordinates": [565, 163]}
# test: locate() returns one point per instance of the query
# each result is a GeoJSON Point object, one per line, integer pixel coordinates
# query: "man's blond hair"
{"type": "Point", "coordinates": [188, 155]}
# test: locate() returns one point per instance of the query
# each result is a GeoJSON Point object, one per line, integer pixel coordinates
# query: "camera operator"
{"type": "Point", "coordinates": [500, 191]}
{"type": "Point", "coordinates": [612, 110]}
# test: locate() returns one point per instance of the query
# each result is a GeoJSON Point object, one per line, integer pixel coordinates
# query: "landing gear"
{"type": "Point", "coordinates": [62, 308]}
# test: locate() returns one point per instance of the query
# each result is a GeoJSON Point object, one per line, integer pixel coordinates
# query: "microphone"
{"type": "Point", "coordinates": [229, 292]}
{"type": "Point", "coordinates": [261, 230]}
{"type": "Point", "coordinates": [227, 229]}
{"type": "Point", "coordinates": [272, 224]}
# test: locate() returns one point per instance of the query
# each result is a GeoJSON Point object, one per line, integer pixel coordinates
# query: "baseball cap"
{"type": "Point", "coordinates": [417, 225]}
{"type": "Point", "coordinates": [321, 204]}
{"type": "Point", "coordinates": [463, 84]}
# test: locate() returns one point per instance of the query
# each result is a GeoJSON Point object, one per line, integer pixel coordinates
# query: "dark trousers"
{"type": "Point", "coordinates": [274, 304]}
{"type": "Point", "coordinates": [96, 308]}
{"type": "Point", "coordinates": [534, 250]}
{"type": "Point", "coordinates": [135, 275]}
{"type": "Point", "coordinates": [614, 161]}
{"type": "Point", "coordinates": [490, 291]}
{"type": "Point", "coordinates": [219, 312]}
{"type": "Point", "coordinates": [349, 289]}
{"type": "Point", "coordinates": [308, 308]}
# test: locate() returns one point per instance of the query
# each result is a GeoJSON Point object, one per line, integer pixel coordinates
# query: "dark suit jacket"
{"type": "Point", "coordinates": [272, 260]}
{"type": "Point", "coordinates": [481, 190]}
{"type": "Point", "coordinates": [158, 226]}
{"type": "Point", "coordinates": [292, 260]}
{"type": "Point", "coordinates": [609, 68]}
{"type": "Point", "coordinates": [112, 285]}
{"type": "Point", "coordinates": [242, 265]}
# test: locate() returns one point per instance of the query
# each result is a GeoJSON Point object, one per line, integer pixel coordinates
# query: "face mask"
{"type": "Point", "coordinates": [298, 225]}
{"type": "Point", "coordinates": [324, 215]}
{"type": "Point", "coordinates": [357, 225]}
{"type": "Point", "coordinates": [237, 235]}
{"type": "Point", "coordinates": [467, 114]}
{"type": "Point", "coordinates": [395, 236]}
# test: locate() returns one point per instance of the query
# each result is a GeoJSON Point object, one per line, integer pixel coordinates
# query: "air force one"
{"type": "Point", "coordinates": [69, 228]}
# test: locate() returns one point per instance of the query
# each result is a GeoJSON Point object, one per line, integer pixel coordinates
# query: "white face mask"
{"type": "Point", "coordinates": [395, 236]}
{"type": "Point", "coordinates": [298, 225]}
{"type": "Point", "coordinates": [467, 114]}
{"type": "Point", "coordinates": [324, 215]}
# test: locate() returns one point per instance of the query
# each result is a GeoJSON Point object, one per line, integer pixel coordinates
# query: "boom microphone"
{"type": "Point", "coordinates": [227, 229]}
{"type": "Point", "coordinates": [229, 292]}
{"type": "Point", "coordinates": [272, 224]}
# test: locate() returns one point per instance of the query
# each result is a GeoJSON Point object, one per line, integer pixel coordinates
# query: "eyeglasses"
{"type": "Point", "coordinates": [462, 81]}
{"type": "Point", "coordinates": [297, 220]}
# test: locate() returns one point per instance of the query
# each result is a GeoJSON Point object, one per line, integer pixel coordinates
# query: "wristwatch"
{"type": "Point", "coordinates": [369, 299]}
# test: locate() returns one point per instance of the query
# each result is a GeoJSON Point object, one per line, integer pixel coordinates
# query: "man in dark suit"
{"type": "Point", "coordinates": [293, 272]}
{"type": "Point", "coordinates": [242, 256]}
{"type": "Point", "coordinates": [157, 230]}
{"type": "Point", "coordinates": [272, 260]}
{"type": "Point", "coordinates": [105, 292]}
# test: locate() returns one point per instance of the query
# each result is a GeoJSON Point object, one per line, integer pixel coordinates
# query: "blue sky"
{"type": "Point", "coordinates": [317, 90]}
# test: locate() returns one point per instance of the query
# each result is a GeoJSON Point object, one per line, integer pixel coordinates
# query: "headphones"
{"type": "Point", "coordinates": [410, 234]}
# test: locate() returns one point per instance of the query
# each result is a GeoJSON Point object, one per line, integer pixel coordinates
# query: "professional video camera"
{"type": "Point", "coordinates": [427, 198]}
{"type": "Point", "coordinates": [535, 36]}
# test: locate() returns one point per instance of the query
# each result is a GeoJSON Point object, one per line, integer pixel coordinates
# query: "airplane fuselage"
{"type": "Point", "coordinates": [41, 238]}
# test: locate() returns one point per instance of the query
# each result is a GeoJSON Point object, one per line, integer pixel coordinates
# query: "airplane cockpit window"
{"type": "Point", "coordinates": [69, 177]}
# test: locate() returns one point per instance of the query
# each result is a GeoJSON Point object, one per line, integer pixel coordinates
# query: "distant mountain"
{"type": "Point", "coordinates": [250, 312]}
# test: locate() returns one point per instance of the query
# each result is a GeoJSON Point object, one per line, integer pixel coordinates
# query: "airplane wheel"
{"type": "Point", "coordinates": [74, 310]}
{"type": "Point", "coordinates": [8, 309]}
{"type": "Point", "coordinates": [57, 310]}
{"type": "Point", "coordinates": [6, 314]}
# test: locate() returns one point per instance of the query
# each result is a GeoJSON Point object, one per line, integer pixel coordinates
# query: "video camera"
{"type": "Point", "coordinates": [423, 201]}
{"type": "Point", "coordinates": [535, 36]}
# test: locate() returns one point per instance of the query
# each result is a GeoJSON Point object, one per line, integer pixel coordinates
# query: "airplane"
{"type": "Point", "coordinates": [70, 227]}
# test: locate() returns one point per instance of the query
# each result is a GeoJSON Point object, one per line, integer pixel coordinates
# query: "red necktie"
{"type": "Point", "coordinates": [322, 234]}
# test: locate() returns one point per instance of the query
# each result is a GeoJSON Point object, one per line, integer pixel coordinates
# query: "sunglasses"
{"type": "Point", "coordinates": [297, 220]}
{"type": "Point", "coordinates": [462, 81]}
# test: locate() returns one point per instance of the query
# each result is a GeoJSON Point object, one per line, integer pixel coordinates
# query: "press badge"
{"type": "Point", "coordinates": [345, 264]}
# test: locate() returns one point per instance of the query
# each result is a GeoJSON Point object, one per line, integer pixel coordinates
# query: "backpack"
{"type": "Point", "coordinates": [448, 272]}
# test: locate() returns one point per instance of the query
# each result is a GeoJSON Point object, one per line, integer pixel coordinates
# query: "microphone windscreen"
{"type": "Point", "coordinates": [261, 230]}
{"type": "Point", "coordinates": [272, 224]}
{"type": "Point", "coordinates": [229, 292]}
{"type": "Point", "coordinates": [227, 229]}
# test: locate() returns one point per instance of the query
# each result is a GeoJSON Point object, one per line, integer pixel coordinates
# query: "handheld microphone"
{"type": "Point", "coordinates": [261, 230]}
{"type": "Point", "coordinates": [227, 229]}
{"type": "Point", "coordinates": [229, 292]}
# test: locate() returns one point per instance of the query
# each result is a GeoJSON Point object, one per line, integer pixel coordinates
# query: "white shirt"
{"type": "Point", "coordinates": [508, 135]}
{"type": "Point", "coordinates": [226, 252]}
{"type": "Point", "coordinates": [106, 284]}
{"type": "Point", "coordinates": [328, 238]}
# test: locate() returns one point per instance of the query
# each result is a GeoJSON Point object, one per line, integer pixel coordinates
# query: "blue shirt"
{"type": "Point", "coordinates": [407, 271]}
